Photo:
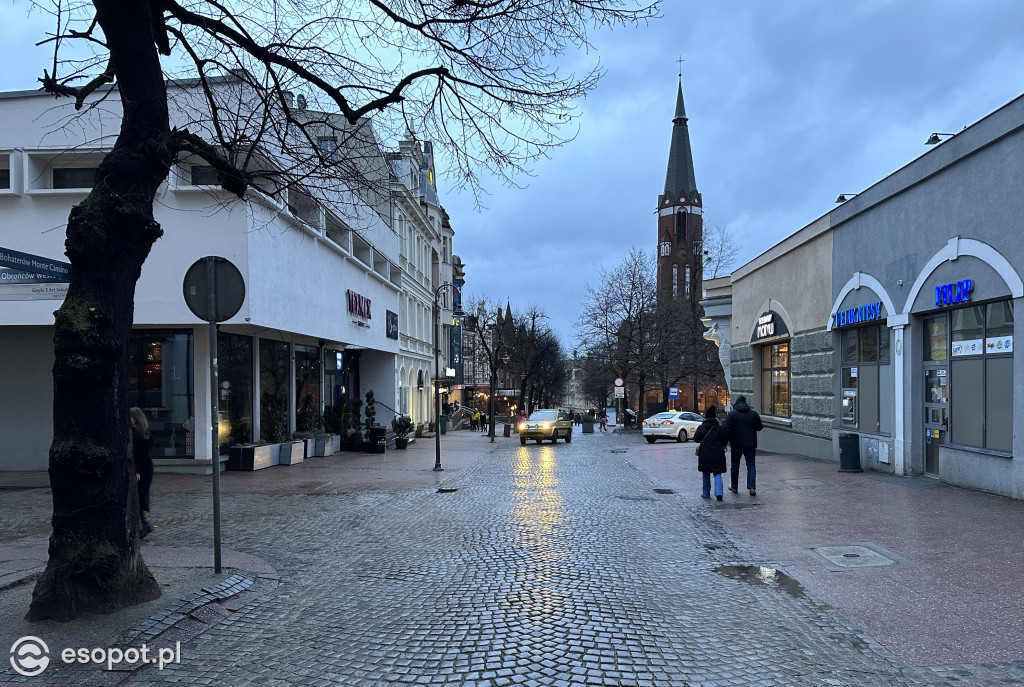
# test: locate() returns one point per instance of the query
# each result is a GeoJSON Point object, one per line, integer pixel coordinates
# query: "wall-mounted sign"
{"type": "Point", "coordinates": [358, 305]}
{"type": "Point", "coordinates": [25, 277]}
{"type": "Point", "coordinates": [950, 294]}
{"type": "Point", "coordinates": [865, 313]}
{"type": "Point", "coordinates": [769, 326]}
{"type": "Point", "coordinates": [391, 324]}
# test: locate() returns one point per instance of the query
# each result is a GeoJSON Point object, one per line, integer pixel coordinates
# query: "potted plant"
{"type": "Point", "coordinates": [307, 422]}
{"type": "Point", "coordinates": [588, 423]}
{"type": "Point", "coordinates": [334, 425]}
{"type": "Point", "coordinates": [376, 437]}
{"type": "Point", "coordinates": [353, 435]}
{"type": "Point", "coordinates": [274, 424]}
{"type": "Point", "coordinates": [403, 426]}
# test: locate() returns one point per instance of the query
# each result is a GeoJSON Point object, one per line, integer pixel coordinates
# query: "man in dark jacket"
{"type": "Point", "coordinates": [741, 428]}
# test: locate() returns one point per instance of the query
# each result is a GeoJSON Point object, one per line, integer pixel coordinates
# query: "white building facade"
{"type": "Point", "coordinates": [320, 322]}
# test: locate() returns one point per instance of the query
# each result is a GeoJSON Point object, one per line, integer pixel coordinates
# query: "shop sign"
{"type": "Point", "coordinates": [950, 294]}
{"type": "Point", "coordinates": [391, 323]}
{"type": "Point", "coordinates": [358, 305]}
{"type": "Point", "coordinates": [769, 326]}
{"type": "Point", "coordinates": [865, 313]}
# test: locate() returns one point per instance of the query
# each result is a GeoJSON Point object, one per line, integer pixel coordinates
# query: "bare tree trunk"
{"type": "Point", "coordinates": [94, 560]}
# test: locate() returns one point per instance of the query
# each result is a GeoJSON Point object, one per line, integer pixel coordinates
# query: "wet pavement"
{"type": "Point", "coordinates": [591, 563]}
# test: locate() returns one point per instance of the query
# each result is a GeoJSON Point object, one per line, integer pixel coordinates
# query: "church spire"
{"type": "Point", "coordinates": [680, 180]}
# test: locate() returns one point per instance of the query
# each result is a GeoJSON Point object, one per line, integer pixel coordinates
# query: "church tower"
{"type": "Point", "coordinates": [680, 220]}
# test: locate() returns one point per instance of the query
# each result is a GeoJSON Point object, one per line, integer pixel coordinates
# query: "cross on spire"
{"type": "Point", "coordinates": [680, 61]}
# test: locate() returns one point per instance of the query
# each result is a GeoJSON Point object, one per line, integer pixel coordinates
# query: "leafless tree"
{"type": "Point", "coordinates": [720, 250]}
{"type": "Point", "coordinates": [473, 76]}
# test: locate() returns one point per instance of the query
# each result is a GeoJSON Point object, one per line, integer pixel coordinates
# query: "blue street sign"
{"type": "Point", "coordinates": [673, 392]}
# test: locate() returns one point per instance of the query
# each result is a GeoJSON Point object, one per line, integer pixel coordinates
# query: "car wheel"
{"type": "Point", "coordinates": [681, 436]}
{"type": "Point", "coordinates": [522, 441]}
{"type": "Point", "coordinates": [568, 437]}
{"type": "Point", "coordinates": [650, 440]}
{"type": "Point", "coordinates": [554, 437]}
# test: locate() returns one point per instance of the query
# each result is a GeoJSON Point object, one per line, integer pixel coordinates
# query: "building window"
{"type": "Point", "coordinates": [234, 362]}
{"type": "Point", "coordinates": [687, 281]}
{"type": "Point", "coordinates": [675, 281]}
{"type": "Point", "coordinates": [274, 365]}
{"type": "Point", "coordinates": [5, 178]}
{"type": "Point", "coordinates": [981, 375]}
{"type": "Point", "coordinates": [666, 248]}
{"type": "Point", "coordinates": [867, 382]}
{"type": "Point", "coordinates": [160, 381]}
{"type": "Point", "coordinates": [74, 177]}
{"type": "Point", "coordinates": [680, 226]}
{"type": "Point", "coordinates": [307, 386]}
{"type": "Point", "coordinates": [775, 379]}
{"type": "Point", "coordinates": [203, 175]}
{"type": "Point", "coordinates": [329, 147]}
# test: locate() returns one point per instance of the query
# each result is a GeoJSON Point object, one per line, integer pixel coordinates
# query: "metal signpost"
{"type": "Point", "coordinates": [214, 291]}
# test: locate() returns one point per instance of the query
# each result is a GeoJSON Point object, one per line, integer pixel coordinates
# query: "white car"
{"type": "Point", "coordinates": [673, 424]}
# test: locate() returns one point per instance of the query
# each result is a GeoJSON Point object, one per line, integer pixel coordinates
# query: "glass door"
{"type": "Point", "coordinates": [936, 390]}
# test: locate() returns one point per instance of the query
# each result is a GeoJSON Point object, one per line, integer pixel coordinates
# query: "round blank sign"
{"type": "Point", "coordinates": [228, 286]}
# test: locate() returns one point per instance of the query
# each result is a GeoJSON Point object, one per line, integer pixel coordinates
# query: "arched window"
{"type": "Point", "coordinates": [687, 281]}
{"type": "Point", "coordinates": [675, 281]}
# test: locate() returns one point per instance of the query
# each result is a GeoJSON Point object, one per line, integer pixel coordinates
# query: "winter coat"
{"type": "Point", "coordinates": [742, 425]}
{"type": "Point", "coordinates": [712, 447]}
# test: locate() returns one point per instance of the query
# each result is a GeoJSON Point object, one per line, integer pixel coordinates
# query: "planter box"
{"type": "Point", "coordinates": [588, 427]}
{"type": "Point", "coordinates": [321, 446]}
{"type": "Point", "coordinates": [252, 457]}
{"type": "Point", "coordinates": [401, 442]}
{"type": "Point", "coordinates": [292, 452]}
{"type": "Point", "coordinates": [335, 443]}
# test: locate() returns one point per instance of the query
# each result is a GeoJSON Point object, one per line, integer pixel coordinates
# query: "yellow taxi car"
{"type": "Point", "coordinates": [548, 423]}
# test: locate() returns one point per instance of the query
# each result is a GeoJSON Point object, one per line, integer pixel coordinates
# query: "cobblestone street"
{"type": "Point", "coordinates": [539, 565]}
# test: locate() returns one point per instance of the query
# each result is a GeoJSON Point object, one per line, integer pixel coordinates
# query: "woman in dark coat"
{"type": "Point", "coordinates": [711, 456]}
{"type": "Point", "coordinates": [141, 443]}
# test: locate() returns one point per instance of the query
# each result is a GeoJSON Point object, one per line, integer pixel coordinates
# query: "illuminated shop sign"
{"type": "Point", "coordinates": [950, 294]}
{"type": "Point", "coordinates": [769, 326]}
{"type": "Point", "coordinates": [868, 312]}
{"type": "Point", "coordinates": [358, 305]}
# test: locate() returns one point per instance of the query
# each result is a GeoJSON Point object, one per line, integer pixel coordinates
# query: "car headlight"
{"type": "Point", "coordinates": [522, 426]}
{"type": "Point", "coordinates": [546, 425]}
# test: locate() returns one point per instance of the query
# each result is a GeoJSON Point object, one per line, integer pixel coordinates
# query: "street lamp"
{"type": "Point", "coordinates": [437, 373]}
{"type": "Point", "coordinates": [504, 361]}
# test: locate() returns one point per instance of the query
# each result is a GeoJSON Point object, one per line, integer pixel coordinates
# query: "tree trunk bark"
{"type": "Point", "coordinates": [94, 562]}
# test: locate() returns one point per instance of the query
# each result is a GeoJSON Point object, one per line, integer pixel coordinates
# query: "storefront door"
{"type": "Point", "coordinates": [936, 390]}
{"type": "Point", "coordinates": [936, 414]}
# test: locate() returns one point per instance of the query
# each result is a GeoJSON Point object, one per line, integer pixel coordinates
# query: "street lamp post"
{"type": "Point", "coordinates": [437, 373]}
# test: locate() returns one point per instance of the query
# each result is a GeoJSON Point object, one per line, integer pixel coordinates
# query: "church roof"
{"type": "Point", "coordinates": [680, 179]}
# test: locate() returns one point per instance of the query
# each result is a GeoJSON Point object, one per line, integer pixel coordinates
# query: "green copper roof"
{"type": "Point", "coordinates": [680, 178]}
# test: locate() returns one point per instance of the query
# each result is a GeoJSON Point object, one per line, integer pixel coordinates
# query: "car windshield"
{"type": "Point", "coordinates": [663, 416]}
{"type": "Point", "coordinates": [544, 415]}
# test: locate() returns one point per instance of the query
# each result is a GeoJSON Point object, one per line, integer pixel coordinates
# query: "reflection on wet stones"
{"type": "Point", "coordinates": [762, 577]}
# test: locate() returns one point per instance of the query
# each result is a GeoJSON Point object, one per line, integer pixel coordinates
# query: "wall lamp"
{"type": "Point", "coordinates": [843, 197]}
{"type": "Point", "coordinates": [934, 138]}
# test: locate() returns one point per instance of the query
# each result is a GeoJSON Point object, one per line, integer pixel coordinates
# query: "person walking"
{"type": "Point", "coordinates": [474, 420]}
{"type": "Point", "coordinates": [141, 443]}
{"type": "Point", "coordinates": [710, 453]}
{"type": "Point", "coordinates": [741, 428]}
{"type": "Point", "coordinates": [483, 422]}
{"type": "Point", "coordinates": [602, 416]}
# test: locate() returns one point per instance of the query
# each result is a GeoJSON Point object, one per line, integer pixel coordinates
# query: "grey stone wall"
{"type": "Point", "coordinates": [813, 373]}
{"type": "Point", "coordinates": [741, 371]}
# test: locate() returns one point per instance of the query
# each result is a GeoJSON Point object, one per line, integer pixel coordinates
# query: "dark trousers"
{"type": "Point", "coordinates": [747, 453]}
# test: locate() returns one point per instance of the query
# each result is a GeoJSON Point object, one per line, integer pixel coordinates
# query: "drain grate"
{"type": "Point", "coordinates": [803, 483]}
{"type": "Point", "coordinates": [856, 556]}
{"type": "Point", "coordinates": [635, 498]}
{"type": "Point", "coordinates": [664, 491]}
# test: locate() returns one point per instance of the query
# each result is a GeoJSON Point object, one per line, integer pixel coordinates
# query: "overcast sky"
{"type": "Point", "coordinates": [790, 104]}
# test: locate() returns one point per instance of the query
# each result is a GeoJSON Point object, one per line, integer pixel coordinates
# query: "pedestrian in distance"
{"type": "Point", "coordinates": [741, 428]}
{"type": "Point", "coordinates": [141, 443]}
{"type": "Point", "coordinates": [602, 417]}
{"type": "Point", "coordinates": [483, 422]}
{"type": "Point", "coordinates": [577, 419]}
{"type": "Point", "coordinates": [710, 453]}
{"type": "Point", "coordinates": [474, 420]}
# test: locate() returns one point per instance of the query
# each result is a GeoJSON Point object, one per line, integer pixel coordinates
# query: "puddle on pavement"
{"type": "Point", "coordinates": [761, 576]}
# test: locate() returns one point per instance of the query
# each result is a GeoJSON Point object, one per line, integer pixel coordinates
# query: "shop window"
{"type": "Point", "coordinates": [274, 365]}
{"type": "Point", "coordinates": [160, 381]}
{"type": "Point", "coordinates": [775, 379]}
{"type": "Point", "coordinates": [866, 377]}
{"type": "Point", "coordinates": [234, 373]}
{"type": "Point", "coordinates": [5, 178]}
{"type": "Point", "coordinates": [981, 376]}
{"type": "Point", "coordinates": [307, 388]}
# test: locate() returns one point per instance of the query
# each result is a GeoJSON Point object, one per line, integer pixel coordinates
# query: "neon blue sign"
{"type": "Point", "coordinates": [865, 313]}
{"type": "Point", "coordinates": [949, 294]}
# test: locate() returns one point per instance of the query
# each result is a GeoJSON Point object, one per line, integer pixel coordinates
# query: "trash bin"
{"type": "Point", "coordinates": [444, 424]}
{"type": "Point", "coordinates": [849, 453]}
{"type": "Point", "coordinates": [508, 430]}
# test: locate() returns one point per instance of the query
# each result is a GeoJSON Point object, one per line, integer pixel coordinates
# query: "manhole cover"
{"type": "Point", "coordinates": [806, 482]}
{"type": "Point", "coordinates": [856, 556]}
{"type": "Point", "coordinates": [446, 490]}
{"type": "Point", "coordinates": [664, 491]}
{"type": "Point", "coordinates": [635, 498]}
